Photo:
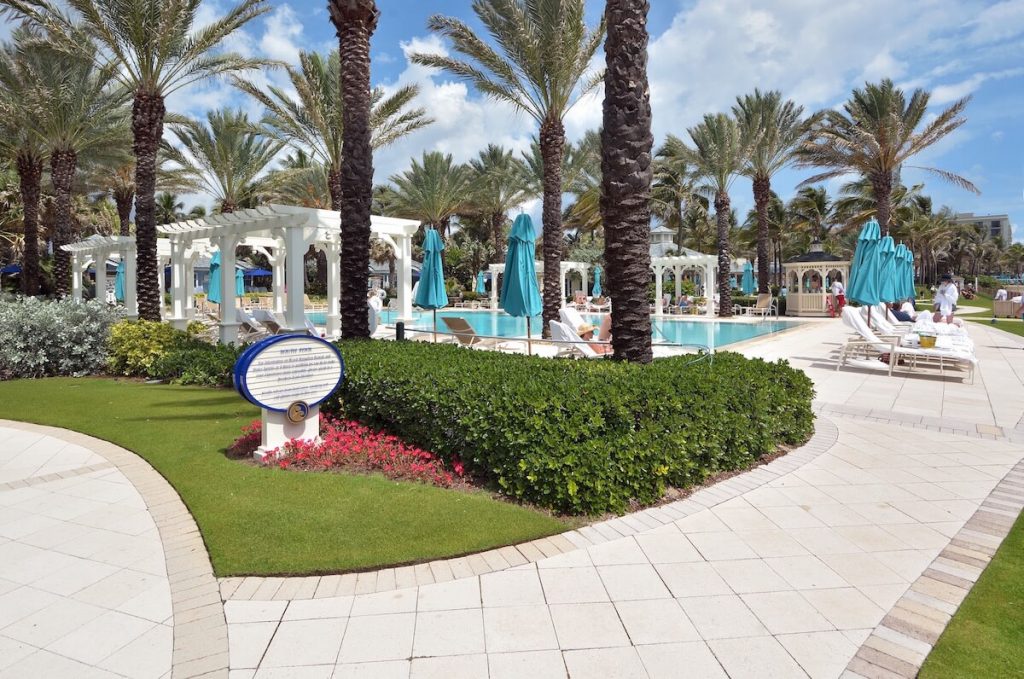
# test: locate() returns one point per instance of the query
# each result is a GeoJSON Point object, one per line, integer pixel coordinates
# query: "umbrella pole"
{"type": "Point", "coordinates": [529, 343]}
{"type": "Point", "coordinates": [435, 326]}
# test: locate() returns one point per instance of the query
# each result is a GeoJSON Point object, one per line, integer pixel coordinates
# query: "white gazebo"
{"type": "Point", "coordinates": [97, 250]}
{"type": "Point", "coordinates": [808, 278]}
{"type": "Point", "coordinates": [567, 268]}
{"type": "Point", "coordinates": [678, 264]}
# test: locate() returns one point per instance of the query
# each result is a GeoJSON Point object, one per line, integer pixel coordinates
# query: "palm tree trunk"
{"type": "Point", "coordinates": [762, 194]}
{"type": "Point", "coordinates": [355, 21]}
{"type": "Point", "coordinates": [30, 174]}
{"type": "Point", "coordinates": [148, 129]}
{"type": "Point", "coordinates": [334, 186]}
{"type": "Point", "coordinates": [626, 171]}
{"type": "Point", "coordinates": [63, 163]}
{"type": "Point", "coordinates": [228, 206]}
{"type": "Point", "coordinates": [552, 145]}
{"type": "Point", "coordinates": [497, 222]}
{"type": "Point", "coordinates": [724, 263]}
{"type": "Point", "coordinates": [123, 200]}
{"type": "Point", "coordinates": [881, 184]}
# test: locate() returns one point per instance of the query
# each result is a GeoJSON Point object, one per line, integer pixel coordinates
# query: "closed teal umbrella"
{"type": "Point", "coordinates": [597, 281]}
{"type": "Point", "coordinates": [520, 295]}
{"type": "Point", "coordinates": [909, 275]}
{"type": "Point", "coordinates": [748, 279]}
{"type": "Point", "coordinates": [239, 282]}
{"type": "Point", "coordinates": [430, 294]}
{"type": "Point", "coordinates": [119, 282]}
{"type": "Point", "coordinates": [863, 287]}
{"type": "Point", "coordinates": [213, 289]}
{"type": "Point", "coordinates": [888, 271]}
{"type": "Point", "coordinates": [904, 273]}
{"type": "Point", "coordinates": [481, 287]}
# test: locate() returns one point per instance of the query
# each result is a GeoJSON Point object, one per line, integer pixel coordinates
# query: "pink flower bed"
{"type": "Point", "coordinates": [351, 446]}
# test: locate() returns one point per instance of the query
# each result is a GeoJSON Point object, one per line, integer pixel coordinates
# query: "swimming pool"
{"type": "Point", "coordinates": [675, 330]}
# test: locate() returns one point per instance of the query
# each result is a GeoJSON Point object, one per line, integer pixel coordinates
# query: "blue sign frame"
{"type": "Point", "coordinates": [249, 355]}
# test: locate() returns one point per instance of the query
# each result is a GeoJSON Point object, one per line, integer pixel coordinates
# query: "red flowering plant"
{"type": "Point", "coordinates": [246, 444]}
{"type": "Point", "coordinates": [345, 444]}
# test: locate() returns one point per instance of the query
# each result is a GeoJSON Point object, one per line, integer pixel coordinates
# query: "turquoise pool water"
{"type": "Point", "coordinates": [673, 330]}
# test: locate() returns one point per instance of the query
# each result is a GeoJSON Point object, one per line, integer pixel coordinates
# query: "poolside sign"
{"type": "Point", "coordinates": [288, 376]}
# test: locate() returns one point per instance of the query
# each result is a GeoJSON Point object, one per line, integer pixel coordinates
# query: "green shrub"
{"type": "Point", "coordinates": [581, 437]}
{"type": "Point", "coordinates": [40, 338]}
{"type": "Point", "coordinates": [989, 282]}
{"type": "Point", "coordinates": [470, 295]}
{"type": "Point", "coordinates": [193, 361]}
{"type": "Point", "coordinates": [136, 345]}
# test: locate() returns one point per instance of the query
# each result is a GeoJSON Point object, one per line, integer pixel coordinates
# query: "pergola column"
{"type": "Point", "coordinates": [101, 277]}
{"type": "Point", "coordinates": [295, 275]}
{"type": "Point", "coordinates": [333, 252]}
{"type": "Point", "coordinates": [76, 277]}
{"type": "Point", "coordinates": [494, 287]}
{"type": "Point", "coordinates": [277, 271]}
{"type": "Point", "coordinates": [179, 293]}
{"type": "Point", "coordinates": [131, 303]}
{"type": "Point", "coordinates": [565, 289]}
{"type": "Point", "coordinates": [709, 291]}
{"type": "Point", "coordinates": [659, 303]}
{"type": "Point", "coordinates": [190, 283]}
{"type": "Point", "coordinates": [404, 256]}
{"type": "Point", "coordinates": [677, 277]}
{"type": "Point", "coordinates": [228, 313]}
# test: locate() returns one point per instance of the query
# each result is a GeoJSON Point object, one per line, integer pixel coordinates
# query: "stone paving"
{"type": "Point", "coordinates": [83, 582]}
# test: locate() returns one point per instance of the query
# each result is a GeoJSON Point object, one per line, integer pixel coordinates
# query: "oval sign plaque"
{"type": "Point", "coordinates": [284, 370]}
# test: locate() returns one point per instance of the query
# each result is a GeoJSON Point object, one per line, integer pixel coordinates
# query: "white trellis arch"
{"type": "Point", "coordinates": [582, 268]}
{"type": "Point", "coordinates": [98, 249]}
{"type": "Point", "coordinates": [677, 264]}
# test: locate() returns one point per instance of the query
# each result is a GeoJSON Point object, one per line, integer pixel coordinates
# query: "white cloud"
{"type": "Point", "coordinates": [943, 94]}
{"type": "Point", "coordinates": [283, 30]}
{"type": "Point", "coordinates": [1001, 21]}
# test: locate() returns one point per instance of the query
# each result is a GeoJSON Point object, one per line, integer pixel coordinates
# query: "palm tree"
{"type": "Point", "coordinates": [169, 208]}
{"type": "Point", "coordinates": [545, 50]}
{"type": "Point", "coordinates": [23, 148]}
{"type": "Point", "coordinates": [774, 129]}
{"type": "Point", "coordinates": [719, 154]}
{"type": "Point", "coordinates": [674, 188]}
{"type": "Point", "coordinates": [224, 157]}
{"type": "Point", "coordinates": [310, 120]}
{"type": "Point", "coordinates": [875, 135]}
{"type": "Point", "coordinates": [433, 191]}
{"type": "Point", "coordinates": [355, 21]}
{"type": "Point", "coordinates": [153, 49]}
{"type": "Point", "coordinates": [499, 184]}
{"type": "Point", "coordinates": [813, 212]}
{"type": "Point", "coordinates": [626, 143]}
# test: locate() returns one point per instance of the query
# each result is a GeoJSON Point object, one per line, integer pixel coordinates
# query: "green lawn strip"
{"type": "Point", "coordinates": [980, 300]}
{"type": "Point", "coordinates": [986, 635]}
{"type": "Point", "coordinates": [1004, 324]}
{"type": "Point", "coordinates": [259, 521]}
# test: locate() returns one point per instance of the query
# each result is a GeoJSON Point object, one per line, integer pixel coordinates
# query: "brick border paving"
{"type": "Point", "coordinates": [942, 424]}
{"type": "Point", "coordinates": [200, 631]}
{"type": "Point", "coordinates": [317, 587]}
{"type": "Point", "coordinates": [55, 476]}
{"type": "Point", "coordinates": [900, 644]}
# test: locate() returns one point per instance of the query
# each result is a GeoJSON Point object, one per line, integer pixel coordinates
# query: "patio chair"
{"type": "Point", "coordinates": [882, 324]}
{"type": "Point", "coordinates": [570, 317]}
{"type": "Point", "coordinates": [466, 336]}
{"type": "Point", "coordinates": [764, 306]}
{"type": "Point", "coordinates": [249, 329]}
{"type": "Point", "coordinates": [269, 320]}
{"type": "Point", "coordinates": [571, 342]}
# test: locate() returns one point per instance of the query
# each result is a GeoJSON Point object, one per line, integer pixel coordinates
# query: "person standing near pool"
{"type": "Point", "coordinates": [839, 293]}
{"type": "Point", "coordinates": [946, 298]}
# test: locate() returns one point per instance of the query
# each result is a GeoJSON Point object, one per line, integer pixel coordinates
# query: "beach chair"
{"type": "Point", "coordinates": [570, 341]}
{"type": "Point", "coordinates": [249, 329]}
{"type": "Point", "coordinates": [270, 321]}
{"type": "Point", "coordinates": [764, 306]}
{"type": "Point", "coordinates": [466, 336]}
{"type": "Point", "coordinates": [570, 317]}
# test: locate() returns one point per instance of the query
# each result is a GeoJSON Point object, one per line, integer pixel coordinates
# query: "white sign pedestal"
{"type": "Point", "coordinates": [278, 430]}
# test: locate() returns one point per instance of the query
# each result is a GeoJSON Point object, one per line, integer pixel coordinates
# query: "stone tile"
{"type": "Point", "coordinates": [805, 572]}
{"type": "Point", "coordinates": [253, 611]}
{"type": "Point", "coordinates": [756, 658]}
{"type": "Point", "coordinates": [378, 637]}
{"type": "Point", "coordinates": [100, 637]}
{"type": "Point", "coordinates": [441, 633]}
{"type": "Point", "coordinates": [823, 655]}
{"type": "Point", "coordinates": [846, 608]}
{"type": "Point", "coordinates": [785, 612]}
{"type": "Point", "coordinates": [443, 596]}
{"type": "Point", "coordinates": [861, 569]}
{"type": "Point", "coordinates": [619, 552]}
{"type": "Point", "coordinates": [625, 583]}
{"type": "Point", "coordinates": [750, 575]}
{"type": "Point", "coordinates": [574, 585]}
{"type": "Point", "coordinates": [511, 588]}
{"type": "Point", "coordinates": [721, 617]}
{"type": "Point", "coordinates": [532, 664]}
{"type": "Point", "coordinates": [519, 628]}
{"type": "Point", "coordinates": [44, 627]}
{"type": "Point", "coordinates": [660, 621]}
{"type": "Point", "coordinates": [608, 663]}
{"type": "Point", "coordinates": [587, 626]}
{"type": "Point", "coordinates": [12, 651]}
{"type": "Point", "coordinates": [389, 669]}
{"type": "Point", "coordinates": [304, 672]}
{"type": "Point", "coordinates": [306, 642]}
{"type": "Point", "coordinates": [46, 664]}
{"type": "Point", "coordinates": [692, 579]}
{"type": "Point", "coordinates": [395, 601]}
{"type": "Point", "coordinates": [702, 522]}
{"type": "Point", "coordinates": [771, 543]}
{"type": "Point", "coordinates": [312, 609]}
{"type": "Point", "coordinates": [453, 667]}
{"type": "Point", "coordinates": [666, 661]}
{"type": "Point", "coordinates": [668, 548]}
{"type": "Point", "coordinates": [247, 642]}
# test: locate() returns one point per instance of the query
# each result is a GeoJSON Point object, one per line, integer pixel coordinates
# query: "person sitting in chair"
{"type": "Point", "coordinates": [600, 342]}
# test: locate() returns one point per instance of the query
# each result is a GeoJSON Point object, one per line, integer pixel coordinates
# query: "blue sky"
{"type": "Point", "coordinates": [703, 54]}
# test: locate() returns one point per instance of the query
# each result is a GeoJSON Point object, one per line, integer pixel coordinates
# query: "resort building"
{"type": "Point", "coordinates": [993, 226]}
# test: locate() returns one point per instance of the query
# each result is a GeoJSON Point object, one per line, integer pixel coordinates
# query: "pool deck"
{"type": "Point", "coordinates": [844, 558]}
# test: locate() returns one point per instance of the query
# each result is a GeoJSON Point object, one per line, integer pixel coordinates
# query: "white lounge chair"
{"type": "Point", "coordinates": [466, 336]}
{"type": "Point", "coordinates": [571, 342]}
{"type": "Point", "coordinates": [249, 328]}
{"type": "Point", "coordinates": [571, 317]}
{"type": "Point", "coordinates": [763, 307]}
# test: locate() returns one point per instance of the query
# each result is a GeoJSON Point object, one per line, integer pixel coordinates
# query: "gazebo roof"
{"type": "Point", "coordinates": [685, 257]}
{"type": "Point", "coordinates": [811, 257]}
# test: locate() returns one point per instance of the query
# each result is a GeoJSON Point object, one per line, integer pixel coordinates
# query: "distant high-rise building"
{"type": "Point", "coordinates": [994, 226]}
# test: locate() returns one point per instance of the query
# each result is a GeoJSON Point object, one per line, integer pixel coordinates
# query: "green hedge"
{"type": "Point", "coordinates": [580, 437]}
{"type": "Point", "coordinates": [158, 351]}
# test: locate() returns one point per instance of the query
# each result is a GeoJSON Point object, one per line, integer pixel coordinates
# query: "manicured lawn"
{"type": "Point", "coordinates": [266, 521]}
{"type": "Point", "coordinates": [986, 635]}
{"type": "Point", "coordinates": [1004, 324]}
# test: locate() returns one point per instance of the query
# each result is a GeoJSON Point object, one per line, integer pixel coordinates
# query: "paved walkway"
{"type": "Point", "coordinates": [83, 583]}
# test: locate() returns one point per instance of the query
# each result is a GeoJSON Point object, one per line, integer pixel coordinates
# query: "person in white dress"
{"type": "Point", "coordinates": [946, 298]}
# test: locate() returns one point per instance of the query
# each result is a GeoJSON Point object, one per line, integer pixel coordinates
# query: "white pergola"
{"type": "Point", "coordinates": [677, 264]}
{"type": "Point", "coordinates": [582, 268]}
{"type": "Point", "coordinates": [97, 250]}
{"type": "Point", "coordinates": [283, 234]}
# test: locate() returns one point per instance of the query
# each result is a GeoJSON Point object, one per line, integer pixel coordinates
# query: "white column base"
{"type": "Point", "coordinates": [333, 324]}
{"type": "Point", "coordinates": [177, 323]}
{"type": "Point", "coordinates": [278, 430]}
{"type": "Point", "coordinates": [229, 332]}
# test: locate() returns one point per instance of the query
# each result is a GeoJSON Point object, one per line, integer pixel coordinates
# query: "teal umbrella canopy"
{"type": "Point", "coordinates": [520, 295]}
{"type": "Point", "coordinates": [909, 276]}
{"type": "Point", "coordinates": [119, 282]}
{"type": "Point", "coordinates": [864, 269]}
{"type": "Point", "coordinates": [213, 289]}
{"type": "Point", "coordinates": [597, 281]}
{"type": "Point", "coordinates": [904, 273]}
{"type": "Point", "coordinates": [888, 271]}
{"type": "Point", "coordinates": [430, 294]}
{"type": "Point", "coordinates": [748, 279]}
{"type": "Point", "coordinates": [481, 287]}
{"type": "Point", "coordinates": [239, 282]}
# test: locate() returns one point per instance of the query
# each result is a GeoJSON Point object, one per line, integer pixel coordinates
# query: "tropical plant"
{"type": "Point", "coordinates": [875, 135]}
{"type": "Point", "coordinates": [813, 212]}
{"type": "Point", "coordinates": [674, 188]}
{"type": "Point", "coordinates": [773, 130]}
{"type": "Point", "coordinates": [311, 119]}
{"type": "Point", "coordinates": [225, 157]}
{"type": "Point", "coordinates": [719, 154]}
{"type": "Point", "coordinates": [152, 49]}
{"type": "Point", "coordinates": [432, 191]}
{"type": "Point", "coordinates": [499, 184]}
{"type": "Point", "coordinates": [169, 208]}
{"type": "Point", "coordinates": [540, 68]}
{"type": "Point", "coordinates": [626, 173]}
